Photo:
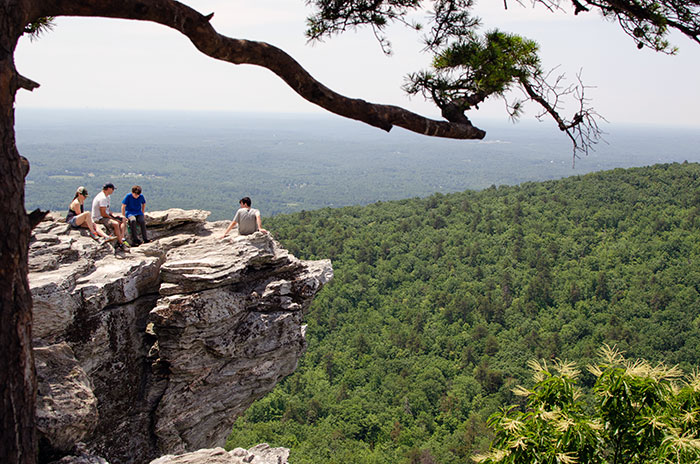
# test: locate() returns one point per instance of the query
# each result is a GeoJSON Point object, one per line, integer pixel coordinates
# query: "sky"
{"type": "Point", "coordinates": [95, 63]}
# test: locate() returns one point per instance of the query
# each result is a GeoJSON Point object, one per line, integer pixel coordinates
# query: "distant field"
{"type": "Point", "coordinates": [293, 163]}
{"type": "Point", "coordinates": [58, 177]}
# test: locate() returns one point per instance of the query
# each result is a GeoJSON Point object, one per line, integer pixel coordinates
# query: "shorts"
{"type": "Point", "coordinates": [105, 221]}
{"type": "Point", "coordinates": [74, 222]}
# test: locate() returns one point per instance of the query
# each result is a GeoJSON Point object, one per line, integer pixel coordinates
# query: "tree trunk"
{"type": "Point", "coordinates": [18, 442]}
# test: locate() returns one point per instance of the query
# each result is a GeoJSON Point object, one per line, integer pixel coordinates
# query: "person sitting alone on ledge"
{"type": "Point", "coordinates": [247, 218]}
{"type": "Point", "coordinates": [77, 217]}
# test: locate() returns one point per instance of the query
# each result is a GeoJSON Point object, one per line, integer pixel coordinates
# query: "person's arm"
{"type": "Point", "coordinates": [257, 217]}
{"type": "Point", "coordinates": [75, 206]}
{"type": "Point", "coordinates": [228, 229]}
{"type": "Point", "coordinates": [106, 213]}
{"type": "Point", "coordinates": [143, 205]}
{"type": "Point", "coordinates": [123, 209]}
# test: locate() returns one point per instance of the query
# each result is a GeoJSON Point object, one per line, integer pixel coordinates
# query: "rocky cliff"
{"type": "Point", "coordinates": [158, 350]}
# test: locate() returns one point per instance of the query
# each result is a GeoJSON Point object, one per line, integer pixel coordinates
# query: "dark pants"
{"type": "Point", "coordinates": [141, 220]}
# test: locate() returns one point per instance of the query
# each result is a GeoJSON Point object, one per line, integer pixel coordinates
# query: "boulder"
{"type": "Point", "coordinates": [260, 454]}
{"type": "Point", "coordinates": [66, 410]}
{"type": "Point", "coordinates": [175, 218]}
{"type": "Point", "coordinates": [214, 262]}
{"type": "Point", "coordinates": [80, 455]}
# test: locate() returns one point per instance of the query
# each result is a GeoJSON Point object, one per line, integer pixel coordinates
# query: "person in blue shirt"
{"type": "Point", "coordinates": [133, 208]}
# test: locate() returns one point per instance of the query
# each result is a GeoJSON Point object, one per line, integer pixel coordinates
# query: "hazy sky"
{"type": "Point", "coordinates": [102, 63]}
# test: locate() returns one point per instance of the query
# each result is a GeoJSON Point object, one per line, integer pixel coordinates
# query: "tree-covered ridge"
{"type": "Point", "coordinates": [439, 303]}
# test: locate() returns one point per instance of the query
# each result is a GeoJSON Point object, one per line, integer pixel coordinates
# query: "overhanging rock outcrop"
{"type": "Point", "coordinates": [157, 351]}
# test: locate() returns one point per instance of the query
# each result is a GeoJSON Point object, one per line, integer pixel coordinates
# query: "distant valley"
{"type": "Point", "coordinates": [289, 163]}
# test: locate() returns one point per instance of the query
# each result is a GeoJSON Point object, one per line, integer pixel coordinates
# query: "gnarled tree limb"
{"type": "Point", "coordinates": [25, 83]}
{"type": "Point", "coordinates": [684, 21]}
{"type": "Point", "coordinates": [583, 128]}
{"type": "Point", "coordinates": [35, 217]}
{"type": "Point", "coordinates": [238, 51]}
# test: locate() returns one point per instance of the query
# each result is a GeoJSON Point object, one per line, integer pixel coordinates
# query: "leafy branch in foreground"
{"type": "Point", "coordinates": [639, 413]}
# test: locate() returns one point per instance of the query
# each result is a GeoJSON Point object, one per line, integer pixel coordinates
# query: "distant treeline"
{"type": "Point", "coordinates": [438, 303]}
{"type": "Point", "coordinates": [294, 164]}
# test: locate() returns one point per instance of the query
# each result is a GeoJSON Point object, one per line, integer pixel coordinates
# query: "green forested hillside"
{"type": "Point", "coordinates": [438, 303]}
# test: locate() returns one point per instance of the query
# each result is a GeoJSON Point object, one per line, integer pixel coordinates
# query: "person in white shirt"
{"type": "Point", "coordinates": [102, 214]}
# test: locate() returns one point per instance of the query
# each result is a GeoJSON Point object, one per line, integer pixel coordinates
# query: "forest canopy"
{"type": "Point", "coordinates": [438, 304]}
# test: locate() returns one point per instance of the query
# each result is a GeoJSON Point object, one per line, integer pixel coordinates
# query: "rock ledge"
{"type": "Point", "coordinates": [157, 351]}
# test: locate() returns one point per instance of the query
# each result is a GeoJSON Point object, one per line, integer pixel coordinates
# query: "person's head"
{"type": "Point", "coordinates": [136, 190]}
{"type": "Point", "coordinates": [82, 191]}
{"type": "Point", "coordinates": [245, 201]}
{"type": "Point", "coordinates": [108, 188]}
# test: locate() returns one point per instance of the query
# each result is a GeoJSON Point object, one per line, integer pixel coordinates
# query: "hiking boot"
{"type": "Point", "coordinates": [125, 246]}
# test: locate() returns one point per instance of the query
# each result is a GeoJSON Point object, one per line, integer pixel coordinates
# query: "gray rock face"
{"type": "Point", "coordinates": [159, 350]}
{"type": "Point", "coordinates": [80, 455]}
{"type": "Point", "coordinates": [67, 407]}
{"type": "Point", "coordinates": [261, 454]}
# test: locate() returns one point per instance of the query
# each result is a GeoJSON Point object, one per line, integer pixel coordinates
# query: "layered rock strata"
{"type": "Point", "coordinates": [260, 454]}
{"type": "Point", "coordinates": [158, 350]}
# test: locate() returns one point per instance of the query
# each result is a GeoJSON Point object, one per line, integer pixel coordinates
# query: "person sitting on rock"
{"type": "Point", "coordinates": [247, 218]}
{"type": "Point", "coordinates": [77, 217]}
{"type": "Point", "coordinates": [102, 215]}
{"type": "Point", "coordinates": [134, 207]}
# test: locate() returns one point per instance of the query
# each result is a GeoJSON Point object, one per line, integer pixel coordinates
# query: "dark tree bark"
{"type": "Point", "coordinates": [17, 377]}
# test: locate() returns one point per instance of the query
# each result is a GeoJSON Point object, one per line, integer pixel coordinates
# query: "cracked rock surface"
{"type": "Point", "coordinates": [158, 350]}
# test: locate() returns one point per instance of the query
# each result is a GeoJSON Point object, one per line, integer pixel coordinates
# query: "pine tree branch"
{"type": "Point", "coordinates": [238, 51]}
{"type": "Point", "coordinates": [635, 11]}
{"type": "Point", "coordinates": [25, 83]}
{"type": "Point", "coordinates": [35, 217]}
{"type": "Point", "coordinates": [582, 129]}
